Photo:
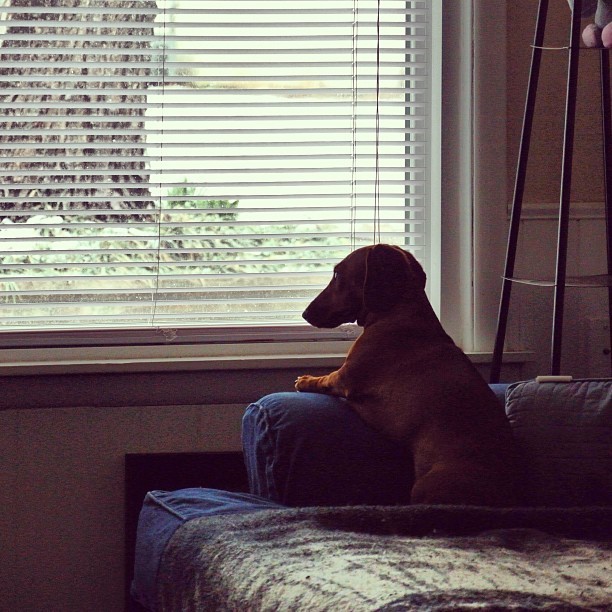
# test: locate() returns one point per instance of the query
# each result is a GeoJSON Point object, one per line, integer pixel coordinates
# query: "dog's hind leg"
{"type": "Point", "coordinates": [461, 485]}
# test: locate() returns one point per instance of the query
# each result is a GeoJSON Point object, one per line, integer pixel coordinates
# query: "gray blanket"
{"type": "Point", "coordinates": [386, 559]}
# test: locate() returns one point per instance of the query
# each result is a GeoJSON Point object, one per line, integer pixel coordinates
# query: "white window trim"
{"type": "Point", "coordinates": [490, 168]}
{"type": "Point", "coordinates": [474, 186]}
{"type": "Point", "coordinates": [272, 356]}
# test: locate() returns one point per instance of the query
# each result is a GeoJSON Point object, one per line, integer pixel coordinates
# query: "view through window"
{"type": "Point", "coordinates": [204, 163]}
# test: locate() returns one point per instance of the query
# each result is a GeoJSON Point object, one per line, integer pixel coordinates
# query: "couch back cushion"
{"type": "Point", "coordinates": [564, 431]}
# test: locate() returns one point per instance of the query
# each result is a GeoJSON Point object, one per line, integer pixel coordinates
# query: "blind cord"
{"type": "Point", "coordinates": [354, 101]}
{"type": "Point", "coordinates": [376, 220]}
{"type": "Point", "coordinates": [161, 171]}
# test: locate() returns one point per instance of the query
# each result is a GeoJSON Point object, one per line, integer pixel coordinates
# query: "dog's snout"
{"type": "Point", "coordinates": [318, 313]}
{"type": "Point", "coordinates": [310, 314]}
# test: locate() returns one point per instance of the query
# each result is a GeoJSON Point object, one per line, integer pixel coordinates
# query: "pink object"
{"type": "Point", "coordinates": [606, 36]}
{"type": "Point", "coordinates": [598, 33]}
{"type": "Point", "coordinates": [591, 36]}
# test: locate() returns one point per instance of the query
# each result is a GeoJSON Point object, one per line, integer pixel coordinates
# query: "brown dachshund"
{"type": "Point", "coordinates": [405, 377]}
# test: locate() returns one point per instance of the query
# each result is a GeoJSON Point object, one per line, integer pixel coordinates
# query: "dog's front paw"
{"type": "Point", "coordinates": [306, 383]}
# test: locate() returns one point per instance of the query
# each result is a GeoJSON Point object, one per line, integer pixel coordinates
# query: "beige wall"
{"type": "Point", "coordinates": [63, 500]}
{"type": "Point", "coordinates": [532, 307]}
{"type": "Point", "coordinates": [62, 470]}
{"type": "Point", "coordinates": [545, 155]}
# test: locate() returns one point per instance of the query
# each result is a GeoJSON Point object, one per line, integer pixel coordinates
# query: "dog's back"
{"type": "Point", "coordinates": [425, 392]}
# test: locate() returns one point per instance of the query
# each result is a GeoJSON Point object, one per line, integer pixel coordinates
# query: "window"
{"type": "Point", "coordinates": [200, 165]}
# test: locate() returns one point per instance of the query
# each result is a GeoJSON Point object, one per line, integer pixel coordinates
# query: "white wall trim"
{"type": "Point", "coordinates": [434, 240]}
{"type": "Point", "coordinates": [457, 185]}
{"type": "Point", "coordinates": [490, 172]}
{"type": "Point", "coordinates": [168, 357]}
{"type": "Point", "coordinates": [474, 218]}
{"type": "Point", "coordinates": [197, 357]}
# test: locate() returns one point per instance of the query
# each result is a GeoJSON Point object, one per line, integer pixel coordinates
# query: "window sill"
{"type": "Point", "coordinates": [246, 356]}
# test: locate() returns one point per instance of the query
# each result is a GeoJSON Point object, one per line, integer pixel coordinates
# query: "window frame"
{"type": "Point", "coordinates": [152, 336]}
{"type": "Point", "coordinates": [465, 291]}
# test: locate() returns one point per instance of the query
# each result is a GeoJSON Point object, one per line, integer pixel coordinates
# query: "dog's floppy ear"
{"type": "Point", "coordinates": [391, 274]}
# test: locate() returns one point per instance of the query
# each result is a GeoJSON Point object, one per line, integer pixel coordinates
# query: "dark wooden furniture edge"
{"type": "Point", "coordinates": [171, 471]}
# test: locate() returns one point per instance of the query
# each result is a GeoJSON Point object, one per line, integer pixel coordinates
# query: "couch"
{"type": "Point", "coordinates": [327, 524]}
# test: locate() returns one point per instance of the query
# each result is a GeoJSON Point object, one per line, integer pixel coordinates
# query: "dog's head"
{"type": "Point", "coordinates": [372, 279]}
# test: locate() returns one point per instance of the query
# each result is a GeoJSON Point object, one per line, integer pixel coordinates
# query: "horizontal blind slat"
{"type": "Point", "coordinates": [57, 159]}
{"type": "Point", "coordinates": [137, 202]}
{"type": "Point", "coordinates": [213, 24]}
{"type": "Point", "coordinates": [127, 38]}
{"type": "Point", "coordinates": [129, 132]}
{"type": "Point", "coordinates": [90, 240]}
{"type": "Point", "coordinates": [398, 9]}
{"type": "Point", "coordinates": [157, 57]}
{"type": "Point", "coordinates": [250, 91]}
{"type": "Point", "coordinates": [172, 68]}
{"type": "Point", "coordinates": [211, 171]}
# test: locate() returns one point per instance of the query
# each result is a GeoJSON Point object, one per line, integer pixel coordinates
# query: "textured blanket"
{"type": "Point", "coordinates": [387, 559]}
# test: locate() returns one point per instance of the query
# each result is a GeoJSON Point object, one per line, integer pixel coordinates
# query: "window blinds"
{"type": "Point", "coordinates": [204, 163]}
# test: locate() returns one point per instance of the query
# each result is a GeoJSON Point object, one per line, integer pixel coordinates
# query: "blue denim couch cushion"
{"type": "Point", "coordinates": [308, 449]}
{"type": "Point", "coordinates": [162, 513]}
